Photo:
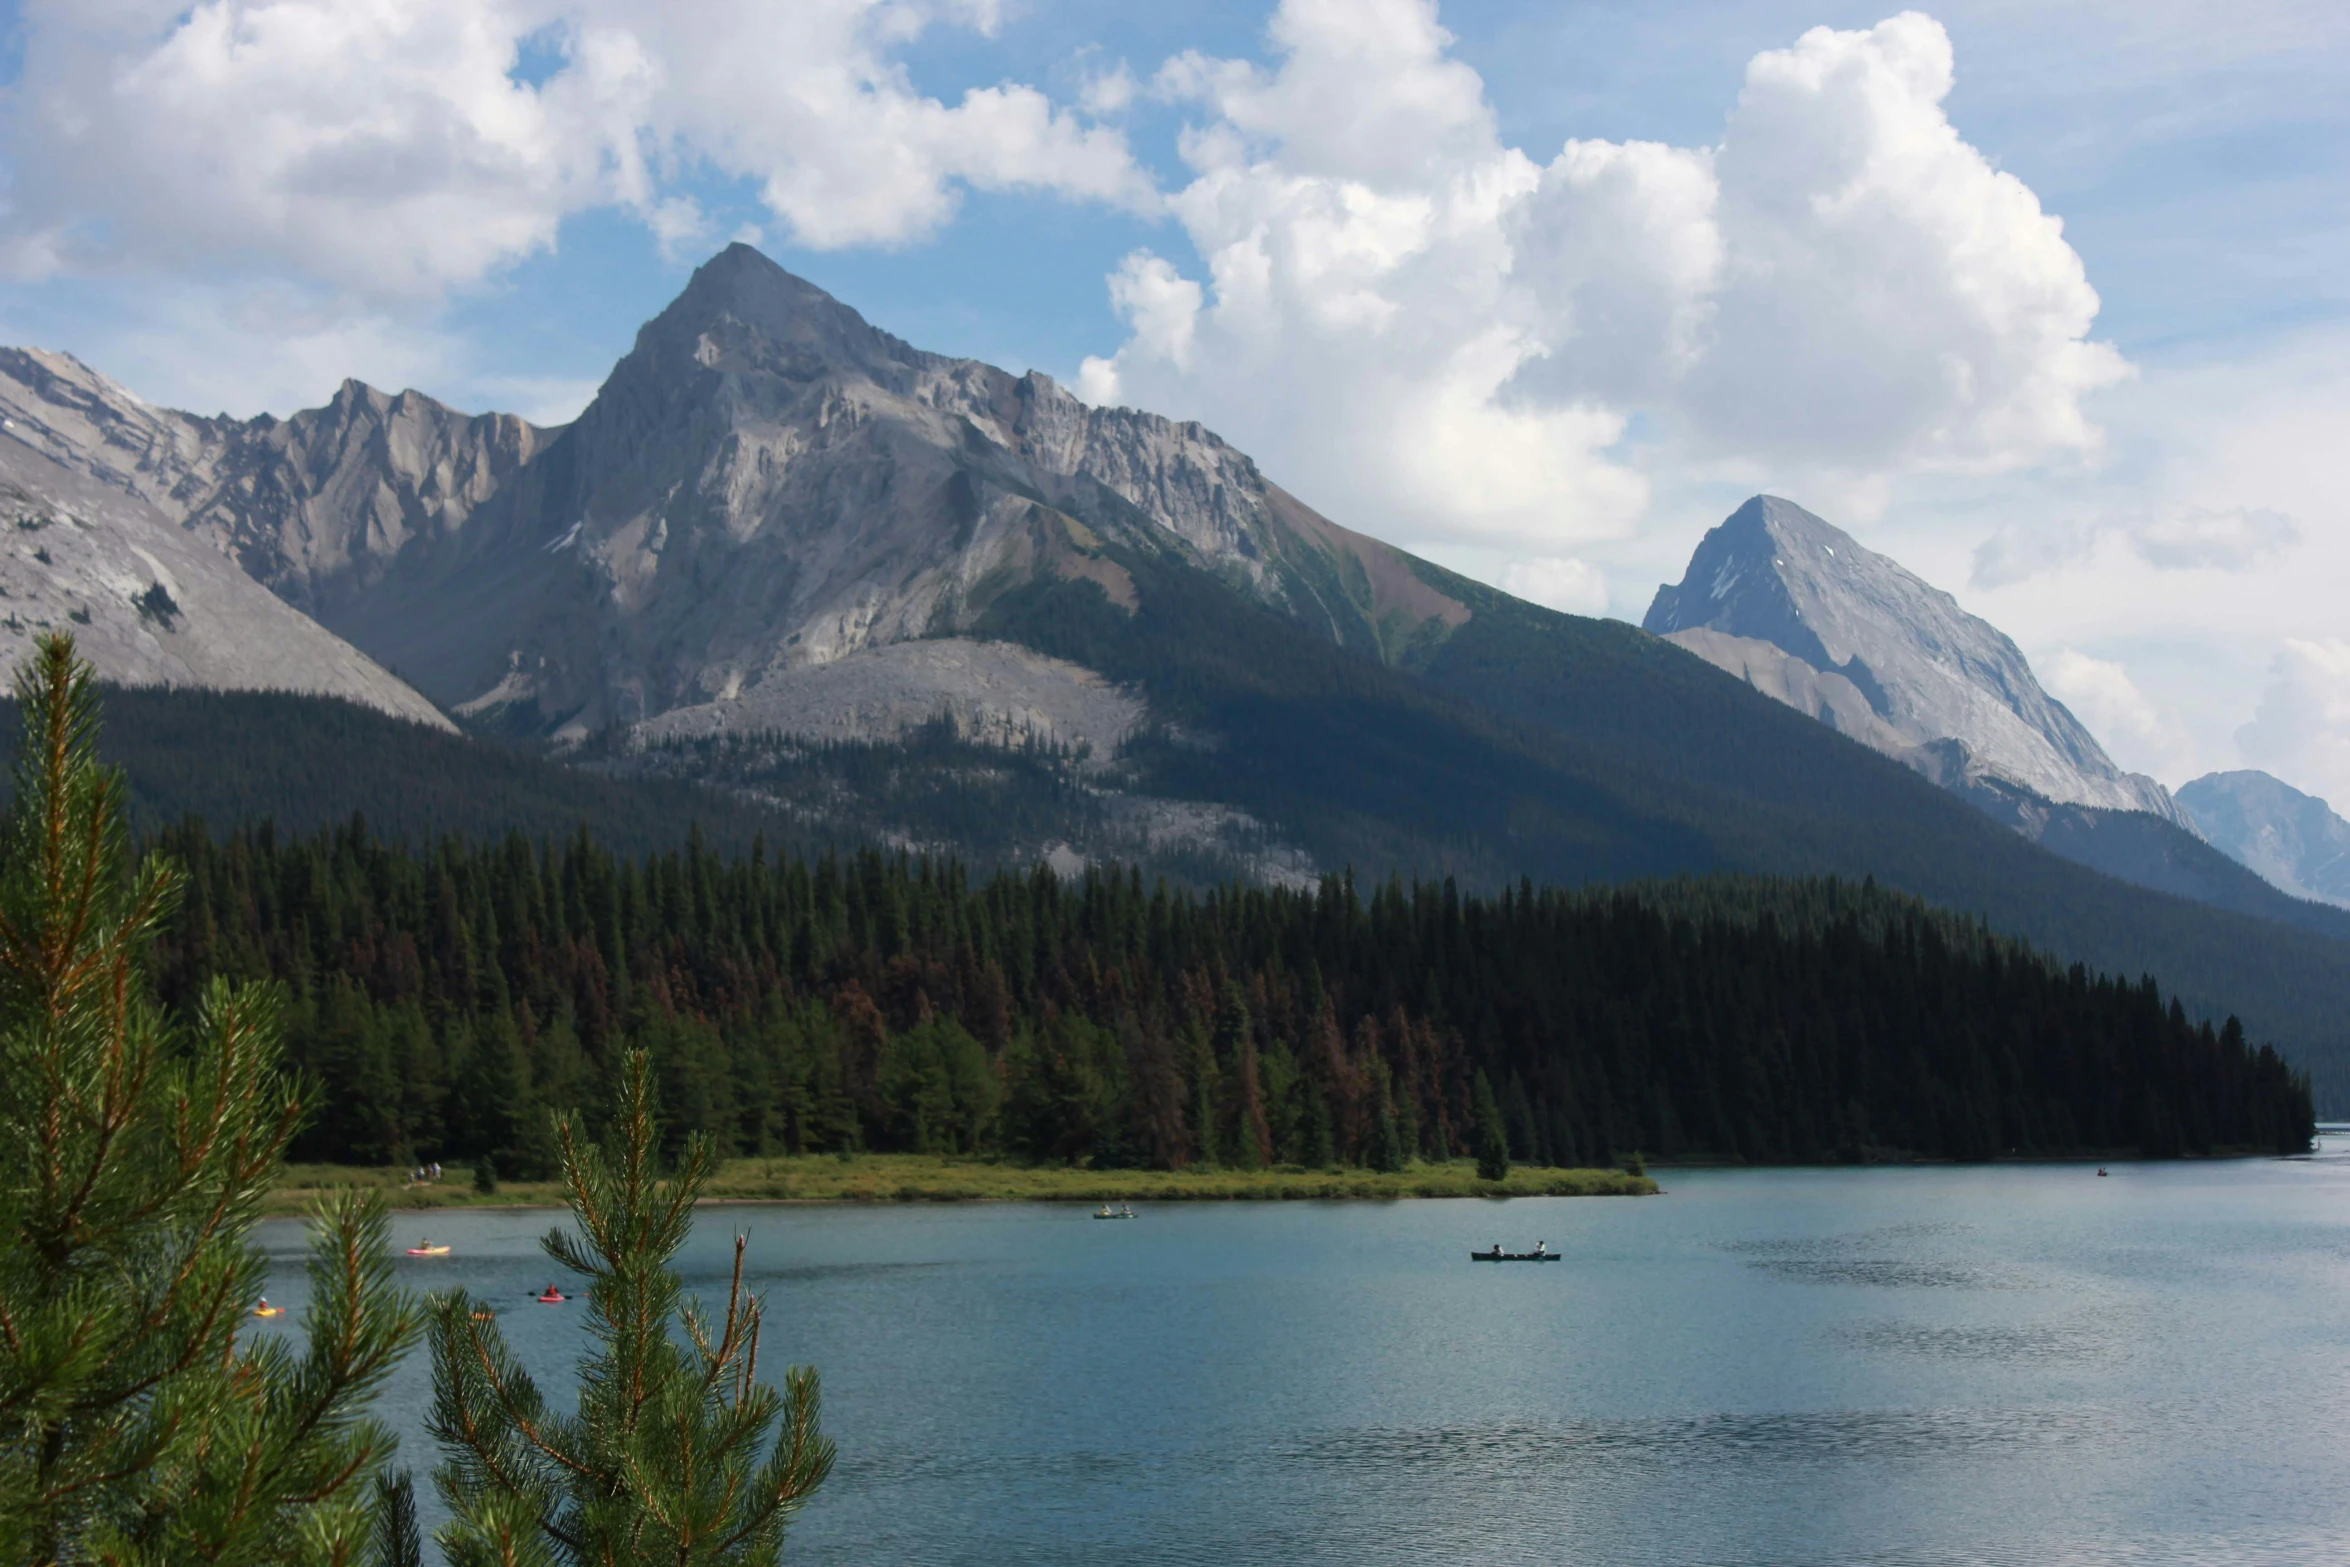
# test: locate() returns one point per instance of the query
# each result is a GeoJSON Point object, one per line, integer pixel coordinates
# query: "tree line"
{"type": "Point", "coordinates": [446, 999]}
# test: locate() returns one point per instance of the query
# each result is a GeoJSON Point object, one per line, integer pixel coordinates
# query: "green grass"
{"type": "Point", "coordinates": [940, 1178]}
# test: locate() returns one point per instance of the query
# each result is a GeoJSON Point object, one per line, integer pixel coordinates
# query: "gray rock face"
{"type": "Point", "coordinates": [315, 506]}
{"type": "Point", "coordinates": [767, 484]}
{"type": "Point", "coordinates": [994, 693]}
{"type": "Point", "coordinates": [149, 605]}
{"type": "Point", "coordinates": [2293, 840]}
{"type": "Point", "coordinates": [1805, 614]}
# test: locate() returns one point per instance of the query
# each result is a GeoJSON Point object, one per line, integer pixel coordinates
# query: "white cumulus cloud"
{"type": "Point", "coordinates": [2301, 730]}
{"type": "Point", "coordinates": [2134, 730]}
{"type": "Point", "coordinates": [1557, 582]}
{"type": "Point", "coordinates": [1440, 336]}
{"type": "Point", "coordinates": [2179, 538]}
{"type": "Point", "coordinates": [395, 148]}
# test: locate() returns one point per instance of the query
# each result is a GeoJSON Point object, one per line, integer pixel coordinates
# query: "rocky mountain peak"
{"type": "Point", "coordinates": [742, 314]}
{"type": "Point", "coordinates": [2293, 840]}
{"type": "Point", "coordinates": [1887, 657]}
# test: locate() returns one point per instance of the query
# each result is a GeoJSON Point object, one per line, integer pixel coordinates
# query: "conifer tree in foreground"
{"type": "Point", "coordinates": [139, 1421]}
{"type": "Point", "coordinates": [678, 1453]}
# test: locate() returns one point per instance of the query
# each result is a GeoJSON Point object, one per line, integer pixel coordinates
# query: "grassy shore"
{"type": "Point", "coordinates": [930, 1178]}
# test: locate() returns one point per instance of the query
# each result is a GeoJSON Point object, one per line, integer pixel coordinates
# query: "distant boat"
{"type": "Point", "coordinates": [428, 1249]}
{"type": "Point", "coordinates": [265, 1309]}
{"type": "Point", "coordinates": [2101, 1169]}
{"type": "Point", "coordinates": [1105, 1211]}
{"type": "Point", "coordinates": [1538, 1254]}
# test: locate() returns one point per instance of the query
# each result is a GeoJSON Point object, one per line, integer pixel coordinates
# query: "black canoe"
{"type": "Point", "coordinates": [1514, 1256]}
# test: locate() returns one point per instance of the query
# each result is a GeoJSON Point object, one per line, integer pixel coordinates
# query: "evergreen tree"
{"type": "Point", "coordinates": [1387, 1154]}
{"type": "Point", "coordinates": [139, 1422]}
{"type": "Point", "coordinates": [678, 1453]}
{"type": "Point", "coordinates": [1493, 1143]}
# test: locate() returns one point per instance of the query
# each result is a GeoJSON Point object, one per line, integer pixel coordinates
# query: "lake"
{"type": "Point", "coordinates": [2021, 1364]}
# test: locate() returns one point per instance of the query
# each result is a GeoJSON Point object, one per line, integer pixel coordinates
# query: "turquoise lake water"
{"type": "Point", "coordinates": [2019, 1364]}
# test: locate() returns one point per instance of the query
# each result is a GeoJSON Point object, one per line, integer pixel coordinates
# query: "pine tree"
{"type": "Point", "coordinates": [674, 1455]}
{"type": "Point", "coordinates": [137, 1425]}
{"type": "Point", "coordinates": [1493, 1143]}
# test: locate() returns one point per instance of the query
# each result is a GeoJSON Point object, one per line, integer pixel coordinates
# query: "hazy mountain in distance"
{"type": "Point", "coordinates": [1799, 610]}
{"type": "Point", "coordinates": [2294, 840]}
{"type": "Point", "coordinates": [150, 606]}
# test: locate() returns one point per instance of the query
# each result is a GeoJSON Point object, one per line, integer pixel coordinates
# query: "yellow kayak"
{"type": "Point", "coordinates": [428, 1250]}
{"type": "Point", "coordinates": [266, 1310]}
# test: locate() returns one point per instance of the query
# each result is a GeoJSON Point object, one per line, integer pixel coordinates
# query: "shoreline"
{"type": "Point", "coordinates": [912, 1178]}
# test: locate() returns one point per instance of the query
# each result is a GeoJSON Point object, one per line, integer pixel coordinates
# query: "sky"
{"type": "Point", "coordinates": [2046, 302]}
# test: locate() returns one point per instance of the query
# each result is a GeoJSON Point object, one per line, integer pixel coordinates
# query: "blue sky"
{"type": "Point", "coordinates": [2110, 440]}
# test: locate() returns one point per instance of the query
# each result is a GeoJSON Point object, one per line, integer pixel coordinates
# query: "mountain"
{"type": "Point", "coordinates": [1799, 610]}
{"type": "Point", "coordinates": [767, 485]}
{"type": "Point", "coordinates": [2292, 839]}
{"type": "Point", "coordinates": [1792, 606]}
{"type": "Point", "coordinates": [780, 542]}
{"type": "Point", "coordinates": [313, 506]}
{"type": "Point", "coordinates": [150, 605]}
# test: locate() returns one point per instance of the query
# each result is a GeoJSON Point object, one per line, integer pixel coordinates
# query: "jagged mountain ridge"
{"type": "Point", "coordinates": [1803, 612]}
{"type": "Point", "coordinates": [2293, 840]}
{"type": "Point", "coordinates": [766, 483]}
{"type": "Point", "coordinates": [150, 606]}
{"type": "Point", "coordinates": [315, 506]}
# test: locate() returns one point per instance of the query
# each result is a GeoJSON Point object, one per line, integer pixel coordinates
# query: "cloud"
{"type": "Point", "coordinates": [2227, 540]}
{"type": "Point", "coordinates": [2132, 728]}
{"type": "Point", "coordinates": [1431, 333]}
{"type": "Point", "coordinates": [397, 151]}
{"type": "Point", "coordinates": [2183, 538]}
{"type": "Point", "coordinates": [1558, 582]}
{"type": "Point", "coordinates": [2301, 730]}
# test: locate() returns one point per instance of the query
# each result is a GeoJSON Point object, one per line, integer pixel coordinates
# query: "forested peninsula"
{"type": "Point", "coordinates": [443, 1000]}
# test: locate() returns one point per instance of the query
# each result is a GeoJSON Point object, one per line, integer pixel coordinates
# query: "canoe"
{"type": "Point", "coordinates": [1515, 1256]}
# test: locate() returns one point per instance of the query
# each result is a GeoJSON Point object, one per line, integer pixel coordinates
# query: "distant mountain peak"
{"type": "Point", "coordinates": [2293, 840]}
{"type": "Point", "coordinates": [1947, 686]}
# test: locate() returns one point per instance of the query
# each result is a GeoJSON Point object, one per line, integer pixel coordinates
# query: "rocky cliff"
{"type": "Point", "coordinates": [766, 484]}
{"type": "Point", "coordinates": [150, 606]}
{"type": "Point", "coordinates": [1803, 613]}
{"type": "Point", "coordinates": [315, 506]}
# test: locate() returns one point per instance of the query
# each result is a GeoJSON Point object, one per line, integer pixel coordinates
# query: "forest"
{"type": "Point", "coordinates": [445, 999]}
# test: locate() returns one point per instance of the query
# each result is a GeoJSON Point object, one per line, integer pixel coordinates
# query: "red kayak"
{"type": "Point", "coordinates": [552, 1298]}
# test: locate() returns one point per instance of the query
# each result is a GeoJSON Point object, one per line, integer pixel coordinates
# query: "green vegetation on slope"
{"type": "Point", "coordinates": [308, 763]}
{"type": "Point", "coordinates": [446, 1000]}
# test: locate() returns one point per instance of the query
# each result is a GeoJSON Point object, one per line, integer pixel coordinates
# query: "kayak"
{"type": "Point", "coordinates": [1498, 1255]}
{"type": "Point", "coordinates": [269, 1311]}
{"type": "Point", "coordinates": [428, 1251]}
{"type": "Point", "coordinates": [556, 1299]}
